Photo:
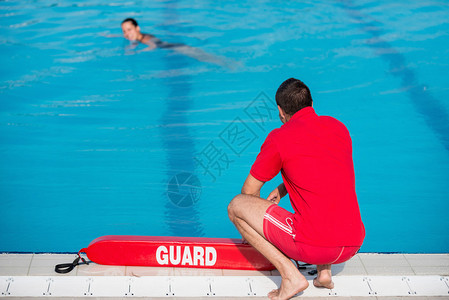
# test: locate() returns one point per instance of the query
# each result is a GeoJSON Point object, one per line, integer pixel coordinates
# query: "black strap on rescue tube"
{"type": "Point", "coordinates": [66, 268]}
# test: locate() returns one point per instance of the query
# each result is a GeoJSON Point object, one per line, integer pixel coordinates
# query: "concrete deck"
{"type": "Point", "coordinates": [409, 270]}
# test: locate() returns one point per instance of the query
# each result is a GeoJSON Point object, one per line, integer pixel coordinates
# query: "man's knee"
{"type": "Point", "coordinates": [242, 205]}
{"type": "Point", "coordinates": [232, 207]}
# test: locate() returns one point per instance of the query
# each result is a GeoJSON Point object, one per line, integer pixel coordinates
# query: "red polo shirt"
{"type": "Point", "coordinates": [314, 155]}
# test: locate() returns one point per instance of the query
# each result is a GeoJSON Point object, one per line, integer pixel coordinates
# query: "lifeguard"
{"type": "Point", "coordinates": [314, 155]}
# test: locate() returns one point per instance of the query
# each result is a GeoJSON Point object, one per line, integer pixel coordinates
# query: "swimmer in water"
{"type": "Point", "coordinates": [131, 31]}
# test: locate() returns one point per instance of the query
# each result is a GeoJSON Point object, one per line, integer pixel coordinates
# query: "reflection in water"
{"type": "Point", "coordinates": [182, 220]}
{"type": "Point", "coordinates": [431, 109]}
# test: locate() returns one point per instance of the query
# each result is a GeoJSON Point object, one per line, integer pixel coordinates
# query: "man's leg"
{"type": "Point", "coordinates": [324, 278]}
{"type": "Point", "coordinates": [247, 213]}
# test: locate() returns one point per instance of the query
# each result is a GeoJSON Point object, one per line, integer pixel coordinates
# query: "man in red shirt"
{"type": "Point", "coordinates": [314, 155]}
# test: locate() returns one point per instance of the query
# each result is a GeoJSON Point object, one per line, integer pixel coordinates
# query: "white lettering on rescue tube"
{"type": "Point", "coordinates": [199, 256]}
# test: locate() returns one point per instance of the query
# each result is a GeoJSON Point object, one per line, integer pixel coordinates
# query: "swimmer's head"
{"type": "Point", "coordinates": [292, 96]}
{"type": "Point", "coordinates": [131, 29]}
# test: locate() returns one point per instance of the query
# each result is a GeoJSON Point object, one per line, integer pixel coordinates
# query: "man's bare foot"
{"type": "Point", "coordinates": [289, 288]}
{"type": "Point", "coordinates": [324, 279]}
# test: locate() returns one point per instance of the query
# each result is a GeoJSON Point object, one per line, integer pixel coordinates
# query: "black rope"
{"type": "Point", "coordinates": [66, 268]}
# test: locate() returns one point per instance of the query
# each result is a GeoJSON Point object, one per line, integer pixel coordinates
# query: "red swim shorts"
{"type": "Point", "coordinates": [278, 229]}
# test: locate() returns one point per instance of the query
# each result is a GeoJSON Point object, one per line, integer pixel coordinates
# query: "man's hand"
{"type": "Point", "coordinates": [276, 195]}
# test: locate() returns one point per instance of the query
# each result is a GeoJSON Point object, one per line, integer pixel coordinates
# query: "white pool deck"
{"type": "Point", "coordinates": [366, 276]}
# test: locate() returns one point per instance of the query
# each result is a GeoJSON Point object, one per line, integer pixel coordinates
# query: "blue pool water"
{"type": "Point", "coordinates": [99, 139]}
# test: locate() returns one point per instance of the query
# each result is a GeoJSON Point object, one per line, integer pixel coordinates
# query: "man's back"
{"type": "Point", "coordinates": [316, 164]}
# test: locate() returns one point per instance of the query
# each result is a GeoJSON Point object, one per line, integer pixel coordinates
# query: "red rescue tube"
{"type": "Point", "coordinates": [184, 252]}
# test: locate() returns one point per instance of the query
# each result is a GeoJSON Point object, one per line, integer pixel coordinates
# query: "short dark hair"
{"type": "Point", "coordinates": [131, 20]}
{"type": "Point", "coordinates": [293, 95]}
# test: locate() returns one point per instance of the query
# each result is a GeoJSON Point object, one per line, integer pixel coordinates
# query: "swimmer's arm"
{"type": "Point", "coordinates": [252, 186]}
{"type": "Point", "coordinates": [150, 47]}
{"type": "Point", "coordinates": [147, 41]}
{"type": "Point", "coordinates": [278, 193]}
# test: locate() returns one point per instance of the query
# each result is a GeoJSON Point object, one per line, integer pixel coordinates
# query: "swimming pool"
{"type": "Point", "coordinates": [97, 139]}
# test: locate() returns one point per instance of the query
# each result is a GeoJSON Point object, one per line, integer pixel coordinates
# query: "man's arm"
{"type": "Point", "coordinates": [252, 186]}
{"type": "Point", "coordinates": [276, 195]}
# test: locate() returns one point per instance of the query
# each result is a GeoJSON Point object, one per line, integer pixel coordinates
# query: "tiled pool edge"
{"type": "Point", "coordinates": [361, 264]}
{"type": "Point", "coordinates": [215, 286]}
{"type": "Point", "coordinates": [364, 270]}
